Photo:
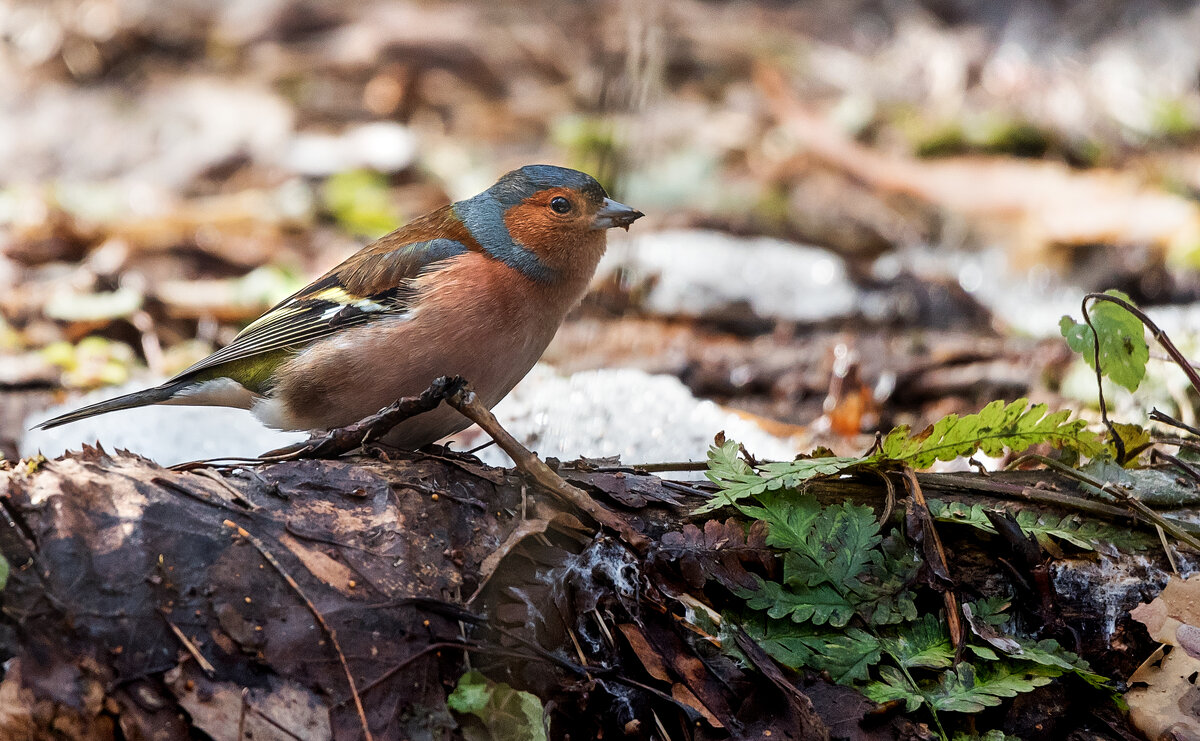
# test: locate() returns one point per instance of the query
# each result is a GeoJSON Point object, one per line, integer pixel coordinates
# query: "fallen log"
{"type": "Point", "coordinates": [345, 599]}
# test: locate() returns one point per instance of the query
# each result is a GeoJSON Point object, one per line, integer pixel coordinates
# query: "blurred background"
{"type": "Point", "coordinates": [858, 213]}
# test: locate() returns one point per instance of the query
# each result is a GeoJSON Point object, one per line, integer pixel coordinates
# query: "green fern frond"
{"type": "Point", "coordinates": [962, 690]}
{"type": "Point", "coordinates": [739, 481]}
{"type": "Point", "coordinates": [996, 427]}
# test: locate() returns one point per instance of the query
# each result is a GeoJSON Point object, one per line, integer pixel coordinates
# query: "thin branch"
{"type": "Point", "coordinates": [1176, 441]}
{"type": "Point", "coordinates": [1160, 336]}
{"type": "Point", "coordinates": [935, 556]}
{"type": "Point", "coordinates": [1167, 419]}
{"type": "Point", "coordinates": [657, 467]}
{"type": "Point", "coordinates": [1125, 498]}
{"type": "Point", "coordinates": [204, 663]}
{"type": "Point", "coordinates": [1112, 430]}
{"type": "Point", "coordinates": [1183, 465]}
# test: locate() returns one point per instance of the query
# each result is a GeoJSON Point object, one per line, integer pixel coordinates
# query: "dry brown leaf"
{"type": "Point", "coordinates": [1162, 708]}
{"type": "Point", "coordinates": [681, 693]}
{"type": "Point", "coordinates": [281, 711]}
{"type": "Point", "coordinates": [1165, 698]}
{"type": "Point", "coordinates": [522, 531]}
{"type": "Point", "coordinates": [653, 663]}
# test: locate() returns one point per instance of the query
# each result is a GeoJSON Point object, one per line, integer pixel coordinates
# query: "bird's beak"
{"type": "Point", "coordinates": [613, 214]}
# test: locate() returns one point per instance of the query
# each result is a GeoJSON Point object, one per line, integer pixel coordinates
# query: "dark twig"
{"type": "Point", "coordinates": [351, 437]}
{"type": "Point", "coordinates": [935, 554]}
{"type": "Point", "coordinates": [333, 640]}
{"type": "Point", "coordinates": [1022, 492]}
{"type": "Point", "coordinates": [1160, 336]}
{"type": "Point", "coordinates": [204, 664]}
{"type": "Point", "coordinates": [1139, 507]}
{"type": "Point", "coordinates": [1112, 430]}
{"type": "Point", "coordinates": [658, 467]}
{"type": "Point", "coordinates": [1183, 465]}
{"type": "Point", "coordinates": [219, 463]}
{"type": "Point", "coordinates": [889, 505]}
{"type": "Point", "coordinates": [464, 400]}
{"type": "Point", "coordinates": [1167, 419]}
{"type": "Point", "coordinates": [1176, 441]}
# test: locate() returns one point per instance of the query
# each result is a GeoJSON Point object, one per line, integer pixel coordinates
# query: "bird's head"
{"type": "Point", "coordinates": [544, 220]}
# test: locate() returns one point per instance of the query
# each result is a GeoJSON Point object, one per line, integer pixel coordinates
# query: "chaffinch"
{"type": "Point", "coordinates": [476, 288]}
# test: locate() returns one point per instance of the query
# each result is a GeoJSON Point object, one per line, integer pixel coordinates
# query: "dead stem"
{"type": "Point", "coordinates": [935, 555]}
{"type": "Point", "coordinates": [1112, 430]}
{"type": "Point", "coordinates": [657, 467]}
{"type": "Point", "coordinates": [204, 663]}
{"type": "Point", "coordinates": [1167, 419]}
{"type": "Point", "coordinates": [1124, 497]}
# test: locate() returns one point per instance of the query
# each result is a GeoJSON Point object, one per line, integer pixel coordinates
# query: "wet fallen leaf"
{"type": "Point", "coordinates": [653, 663]}
{"type": "Point", "coordinates": [278, 711]}
{"type": "Point", "coordinates": [1164, 701]}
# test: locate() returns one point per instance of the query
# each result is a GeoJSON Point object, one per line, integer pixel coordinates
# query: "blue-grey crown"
{"type": "Point", "coordinates": [523, 182]}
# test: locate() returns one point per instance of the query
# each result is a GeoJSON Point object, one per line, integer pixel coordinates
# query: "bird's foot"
{"type": "Point", "coordinates": [341, 440]}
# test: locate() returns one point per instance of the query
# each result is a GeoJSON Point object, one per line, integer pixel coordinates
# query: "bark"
{"type": "Point", "coordinates": [343, 599]}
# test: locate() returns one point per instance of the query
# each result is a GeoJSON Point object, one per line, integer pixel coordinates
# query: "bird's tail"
{"type": "Point", "coordinates": [154, 395]}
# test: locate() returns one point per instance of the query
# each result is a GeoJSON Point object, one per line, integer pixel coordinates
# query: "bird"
{"type": "Point", "coordinates": [476, 288]}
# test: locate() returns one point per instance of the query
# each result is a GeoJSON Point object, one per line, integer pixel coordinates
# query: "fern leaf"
{"type": "Point", "coordinates": [892, 686]}
{"type": "Point", "coordinates": [836, 548]}
{"type": "Point", "coordinates": [924, 644]}
{"type": "Point", "coordinates": [825, 544]}
{"type": "Point", "coordinates": [990, 610]}
{"type": "Point", "coordinates": [739, 481]}
{"type": "Point", "coordinates": [888, 598]}
{"type": "Point", "coordinates": [1049, 653]}
{"type": "Point", "coordinates": [847, 656]}
{"type": "Point", "coordinates": [819, 604]}
{"type": "Point", "coordinates": [992, 735]}
{"type": "Point", "coordinates": [996, 427]}
{"type": "Point", "coordinates": [963, 691]}
{"type": "Point", "coordinates": [1088, 535]}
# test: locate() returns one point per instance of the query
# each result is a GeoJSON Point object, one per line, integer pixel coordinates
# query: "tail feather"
{"type": "Point", "coordinates": [155, 395]}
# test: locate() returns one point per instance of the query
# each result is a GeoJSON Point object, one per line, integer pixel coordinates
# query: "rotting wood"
{"type": "Point", "coordinates": [103, 547]}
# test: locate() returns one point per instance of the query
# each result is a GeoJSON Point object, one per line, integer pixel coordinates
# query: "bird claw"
{"type": "Point", "coordinates": [342, 440]}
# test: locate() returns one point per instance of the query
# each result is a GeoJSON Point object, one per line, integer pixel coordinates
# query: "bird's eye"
{"type": "Point", "coordinates": [560, 205]}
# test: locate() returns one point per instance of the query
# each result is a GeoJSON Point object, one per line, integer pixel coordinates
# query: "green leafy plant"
{"type": "Point", "coordinates": [360, 203]}
{"type": "Point", "coordinates": [846, 605]}
{"type": "Point", "coordinates": [995, 428]}
{"type": "Point", "coordinates": [496, 711]}
{"type": "Point", "coordinates": [1088, 535]}
{"type": "Point", "coordinates": [843, 595]}
{"type": "Point", "coordinates": [834, 565]}
{"type": "Point", "coordinates": [1123, 349]}
{"type": "Point", "coordinates": [739, 479]}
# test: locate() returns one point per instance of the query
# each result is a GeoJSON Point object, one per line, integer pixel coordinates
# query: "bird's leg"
{"type": "Point", "coordinates": [342, 440]}
{"type": "Point", "coordinates": [464, 400]}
